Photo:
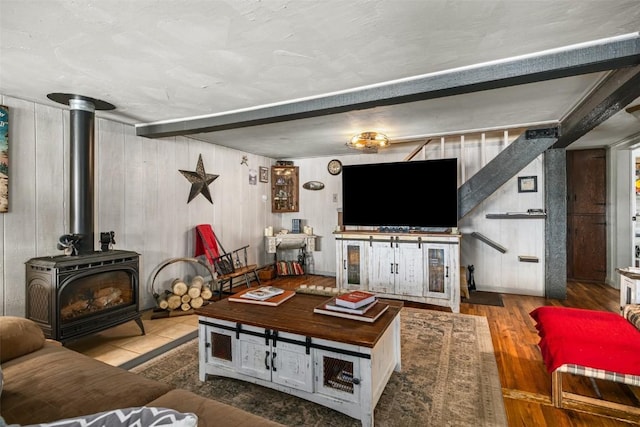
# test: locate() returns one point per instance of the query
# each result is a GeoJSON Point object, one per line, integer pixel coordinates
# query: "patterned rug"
{"type": "Point", "coordinates": [449, 377]}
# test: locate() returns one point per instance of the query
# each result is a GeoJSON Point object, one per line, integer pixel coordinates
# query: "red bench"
{"type": "Point", "coordinates": [590, 343]}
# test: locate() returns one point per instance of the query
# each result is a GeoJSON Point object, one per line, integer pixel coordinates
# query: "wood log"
{"type": "Point", "coordinates": [206, 293]}
{"type": "Point", "coordinates": [161, 300]}
{"type": "Point", "coordinates": [173, 301]}
{"type": "Point", "coordinates": [115, 297]}
{"type": "Point", "coordinates": [197, 302]}
{"type": "Point", "coordinates": [185, 299]}
{"type": "Point", "coordinates": [178, 287]}
{"type": "Point", "coordinates": [185, 306]}
{"type": "Point", "coordinates": [77, 306]}
{"type": "Point", "coordinates": [196, 287]}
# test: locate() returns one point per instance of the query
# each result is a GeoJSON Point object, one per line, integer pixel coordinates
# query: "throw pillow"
{"type": "Point", "coordinates": [18, 336]}
{"type": "Point", "coordinates": [129, 417]}
{"type": "Point", "coordinates": [631, 312]}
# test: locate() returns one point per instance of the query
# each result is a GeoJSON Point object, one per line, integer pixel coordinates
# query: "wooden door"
{"type": "Point", "coordinates": [586, 215]}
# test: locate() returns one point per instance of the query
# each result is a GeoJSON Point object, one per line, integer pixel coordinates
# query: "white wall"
{"type": "Point", "coordinates": [139, 192]}
{"type": "Point", "coordinates": [141, 195]}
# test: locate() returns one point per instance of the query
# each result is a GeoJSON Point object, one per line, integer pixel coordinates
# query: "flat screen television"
{"type": "Point", "coordinates": [418, 194]}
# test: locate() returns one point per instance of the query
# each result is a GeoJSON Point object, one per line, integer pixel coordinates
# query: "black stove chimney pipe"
{"type": "Point", "coordinates": [82, 173]}
{"type": "Point", "coordinates": [82, 117]}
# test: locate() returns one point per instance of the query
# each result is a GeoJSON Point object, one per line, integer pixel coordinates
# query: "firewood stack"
{"type": "Point", "coordinates": [183, 297]}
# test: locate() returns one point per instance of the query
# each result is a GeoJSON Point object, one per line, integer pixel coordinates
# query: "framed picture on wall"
{"type": "Point", "coordinates": [4, 159]}
{"type": "Point", "coordinates": [527, 184]}
{"type": "Point", "coordinates": [264, 174]}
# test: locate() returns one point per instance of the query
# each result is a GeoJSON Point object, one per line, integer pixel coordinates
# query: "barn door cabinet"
{"type": "Point", "coordinates": [413, 267]}
{"type": "Point", "coordinates": [257, 353]}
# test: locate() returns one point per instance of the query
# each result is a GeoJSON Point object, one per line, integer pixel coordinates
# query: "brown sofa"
{"type": "Point", "coordinates": [46, 382]}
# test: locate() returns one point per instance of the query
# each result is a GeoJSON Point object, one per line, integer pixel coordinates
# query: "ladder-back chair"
{"type": "Point", "coordinates": [227, 265]}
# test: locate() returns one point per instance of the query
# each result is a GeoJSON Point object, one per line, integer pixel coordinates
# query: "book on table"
{"type": "Point", "coordinates": [331, 305]}
{"type": "Point", "coordinates": [262, 293]}
{"type": "Point", "coordinates": [272, 301]}
{"type": "Point", "coordinates": [355, 299]}
{"type": "Point", "coordinates": [371, 315]}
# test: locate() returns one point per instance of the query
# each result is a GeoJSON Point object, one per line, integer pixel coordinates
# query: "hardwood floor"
{"type": "Point", "coordinates": [526, 386]}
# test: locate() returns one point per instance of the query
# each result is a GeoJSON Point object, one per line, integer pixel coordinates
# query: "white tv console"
{"type": "Point", "coordinates": [420, 267]}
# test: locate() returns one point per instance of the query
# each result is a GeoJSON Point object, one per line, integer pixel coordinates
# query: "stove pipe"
{"type": "Point", "coordinates": [82, 172]}
{"type": "Point", "coordinates": [81, 204]}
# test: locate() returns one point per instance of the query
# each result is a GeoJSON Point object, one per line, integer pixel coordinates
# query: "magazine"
{"type": "Point", "coordinates": [263, 293]}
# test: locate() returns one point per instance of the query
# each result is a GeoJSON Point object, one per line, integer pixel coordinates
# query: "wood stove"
{"type": "Point", "coordinates": [83, 291]}
{"type": "Point", "coordinates": [73, 296]}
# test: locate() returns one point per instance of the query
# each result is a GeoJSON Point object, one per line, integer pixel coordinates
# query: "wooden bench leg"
{"type": "Point", "coordinates": [556, 388]}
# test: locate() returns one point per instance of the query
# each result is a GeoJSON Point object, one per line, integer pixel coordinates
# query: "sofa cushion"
{"type": "Point", "coordinates": [55, 383]}
{"type": "Point", "coordinates": [18, 336]}
{"type": "Point", "coordinates": [210, 413]}
{"type": "Point", "coordinates": [129, 417]}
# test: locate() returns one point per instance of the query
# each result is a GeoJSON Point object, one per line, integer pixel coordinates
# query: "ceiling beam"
{"type": "Point", "coordinates": [553, 64]}
{"type": "Point", "coordinates": [613, 94]}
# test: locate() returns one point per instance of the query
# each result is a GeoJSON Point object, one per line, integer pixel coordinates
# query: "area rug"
{"type": "Point", "coordinates": [449, 377]}
{"type": "Point", "coordinates": [484, 298]}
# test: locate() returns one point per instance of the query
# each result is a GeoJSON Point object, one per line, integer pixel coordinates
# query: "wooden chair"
{"type": "Point", "coordinates": [227, 265]}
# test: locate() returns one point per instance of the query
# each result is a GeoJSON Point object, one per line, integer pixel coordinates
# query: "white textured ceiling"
{"type": "Point", "coordinates": [161, 60]}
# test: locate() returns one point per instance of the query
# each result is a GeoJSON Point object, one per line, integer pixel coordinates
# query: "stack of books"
{"type": "Point", "coordinates": [356, 305]}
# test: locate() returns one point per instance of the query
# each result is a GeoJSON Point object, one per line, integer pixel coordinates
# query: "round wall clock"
{"type": "Point", "coordinates": [334, 167]}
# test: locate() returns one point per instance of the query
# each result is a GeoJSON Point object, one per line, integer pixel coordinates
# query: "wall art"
{"type": "Point", "coordinates": [4, 159]}
{"type": "Point", "coordinates": [264, 174]}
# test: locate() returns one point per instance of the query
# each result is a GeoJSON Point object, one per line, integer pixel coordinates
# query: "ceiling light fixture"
{"type": "Point", "coordinates": [369, 142]}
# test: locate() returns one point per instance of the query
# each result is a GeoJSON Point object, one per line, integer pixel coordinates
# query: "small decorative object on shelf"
{"type": "Point", "coordinates": [355, 299]}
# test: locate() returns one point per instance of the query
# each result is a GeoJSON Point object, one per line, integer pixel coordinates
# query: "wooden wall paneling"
{"type": "Point", "coordinates": [20, 221]}
{"type": "Point", "coordinates": [50, 207]}
{"type": "Point", "coordinates": [152, 211]}
{"type": "Point", "coordinates": [135, 230]}
{"type": "Point", "coordinates": [110, 180]}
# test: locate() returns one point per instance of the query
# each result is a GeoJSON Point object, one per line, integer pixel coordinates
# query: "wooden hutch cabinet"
{"type": "Point", "coordinates": [285, 187]}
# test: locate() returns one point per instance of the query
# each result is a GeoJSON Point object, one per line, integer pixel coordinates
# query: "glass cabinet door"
{"type": "Point", "coordinates": [284, 189]}
{"type": "Point", "coordinates": [438, 275]}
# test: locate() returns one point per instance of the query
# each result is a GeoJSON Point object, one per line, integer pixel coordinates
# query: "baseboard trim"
{"type": "Point", "coordinates": [158, 351]}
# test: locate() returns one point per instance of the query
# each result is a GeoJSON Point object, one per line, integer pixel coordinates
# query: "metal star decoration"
{"type": "Point", "coordinates": [200, 181]}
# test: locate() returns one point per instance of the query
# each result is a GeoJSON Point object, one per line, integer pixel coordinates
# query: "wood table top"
{"type": "Point", "coordinates": [296, 316]}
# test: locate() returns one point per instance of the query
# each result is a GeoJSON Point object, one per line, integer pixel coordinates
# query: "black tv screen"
{"type": "Point", "coordinates": [415, 194]}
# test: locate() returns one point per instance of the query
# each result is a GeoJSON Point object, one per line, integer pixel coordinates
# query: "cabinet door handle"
{"type": "Point", "coordinates": [266, 361]}
{"type": "Point", "coordinates": [446, 269]}
{"type": "Point", "coordinates": [273, 365]}
{"type": "Point", "coordinates": [391, 268]}
{"type": "Point", "coordinates": [396, 268]}
{"type": "Point", "coordinates": [344, 264]}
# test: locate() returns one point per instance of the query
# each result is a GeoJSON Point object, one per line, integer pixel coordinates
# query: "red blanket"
{"type": "Point", "coordinates": [595, 339]}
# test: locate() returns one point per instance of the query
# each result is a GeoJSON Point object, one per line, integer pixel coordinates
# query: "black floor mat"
{"type": "Point", "coordinates": [484, 298]}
